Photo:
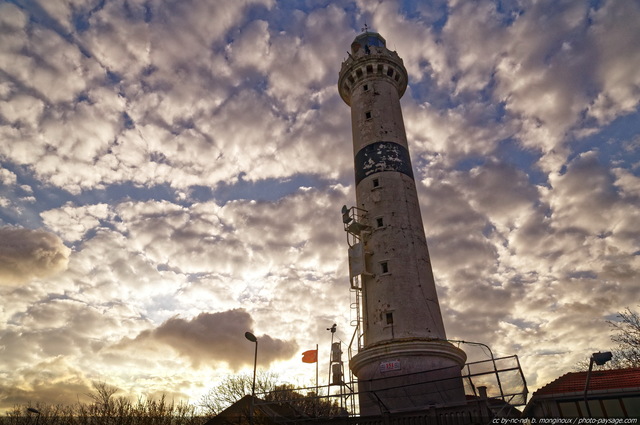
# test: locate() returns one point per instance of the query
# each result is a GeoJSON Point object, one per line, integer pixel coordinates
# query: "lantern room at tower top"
{"type": "Point", "coordinates": [367, 39]}
{"type": "Point", "coordinates": [370, 58]}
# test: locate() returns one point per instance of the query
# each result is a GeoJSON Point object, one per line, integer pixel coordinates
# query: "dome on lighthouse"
{"type": "Point", "coordinates": [366, 40]}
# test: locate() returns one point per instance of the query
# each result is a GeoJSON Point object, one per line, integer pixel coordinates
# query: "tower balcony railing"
{"type": "Point", "coordinates": [485, 399]}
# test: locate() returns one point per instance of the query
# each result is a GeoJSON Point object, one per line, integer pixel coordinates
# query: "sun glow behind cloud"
{"type": "Point", "coordinates": [172, 175]}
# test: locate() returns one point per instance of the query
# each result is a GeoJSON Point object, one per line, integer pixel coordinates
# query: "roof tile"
{"type": "Point", "coordinates": [600, 380]}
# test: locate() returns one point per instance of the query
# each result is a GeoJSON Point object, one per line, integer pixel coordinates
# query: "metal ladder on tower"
{"type": "Point", "coordinates": [354, 220]}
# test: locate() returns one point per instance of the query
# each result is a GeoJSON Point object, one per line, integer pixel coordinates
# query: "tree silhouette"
{"type": "Point", "coordinates": [233, 388]}
{"type": "Point", "coordinates": [625, 332]}
{"type": "Point", "coordinates": [308, 404]}
{"type": "Point", "coordinates": [627, 335]}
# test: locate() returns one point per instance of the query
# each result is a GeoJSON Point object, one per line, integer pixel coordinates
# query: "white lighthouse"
{"type": "Point", "coordinates": [404, 361]}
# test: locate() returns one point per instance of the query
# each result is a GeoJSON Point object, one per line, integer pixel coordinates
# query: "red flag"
{"type": "Point", "coordinates": [310, 356]}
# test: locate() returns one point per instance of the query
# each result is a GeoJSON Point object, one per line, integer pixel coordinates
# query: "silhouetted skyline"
{"type": "Point", "coordinates": [172, 175]}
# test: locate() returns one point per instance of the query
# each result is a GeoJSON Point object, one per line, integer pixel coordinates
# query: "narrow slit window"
{"type": "Point", "coordinates": [367, 115]}
{"type": "Point", "coordinates": [365, 87]}
{"type": "Point", "coordinates": [389, 318]}
{"type": "Point", "coordinates": [397, 77]}
{"type": "Point", "coordinates": [376, 182]}
{"type": "Point", "coordinates": [379, 222]}
{"type": "Point", "coordinates": [384, 267]}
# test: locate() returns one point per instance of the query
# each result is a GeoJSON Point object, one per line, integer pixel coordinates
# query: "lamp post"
{"type": "Point", "coordinates": [599, 359]}
{"type": "Point", "coordinates": [251, 337]}
{"type": "Point", "coordinates": [36, 411]}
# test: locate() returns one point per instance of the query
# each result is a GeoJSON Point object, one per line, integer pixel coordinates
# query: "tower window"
{"type": "Point", "coordinates": [380, 68]}
{"type": "Point", "coordinates": [369, 69]}
{"type": "Point", "coordinates": [367, 115]}
{"type": "Point", "coordinates": [379, 222]}
{"type": "Point", "coordinates": [390, 72]}
{"type": "Point", "coordinates": [358, 73]}
{"type": "Point", "coordinates": [389, 318]}
{"type": "Point", "coordinates": [384, 267]}
{"type": "Point", "coordinates": [376, 182]}
{"type": "Point", "coordinates": [365, 87]}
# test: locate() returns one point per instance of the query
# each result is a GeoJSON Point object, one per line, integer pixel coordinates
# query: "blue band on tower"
{"type": "Point", "coordinates": [382, 156]}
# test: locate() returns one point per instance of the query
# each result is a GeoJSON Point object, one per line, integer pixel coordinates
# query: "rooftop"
{"type": "Point", "coordinates": [601, 380]}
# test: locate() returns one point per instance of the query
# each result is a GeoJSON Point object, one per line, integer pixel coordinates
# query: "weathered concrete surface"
{"type": "Point", "coordinates": [402, 322]}
{"type": "Point", "coordinates": [406, 374]}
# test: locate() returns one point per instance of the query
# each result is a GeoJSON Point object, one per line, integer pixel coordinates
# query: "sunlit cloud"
{"type": "Point", "coordinates": [214, 337]}
{"type": "Point", "coordinates": [26, 254]}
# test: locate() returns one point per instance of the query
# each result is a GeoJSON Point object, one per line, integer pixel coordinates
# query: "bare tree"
{"type": "Point", "coordinates": [105, 409]}
{"type": "Point", "coordinates": [627, 335]}
{"type": "Point", "coordinates": [310, 404]}
{"type": "Point", "coordinates": [626, 332]}
{"type": "Point", "coordinates": [102, 392]}
{"type": "Point", "coordinates": [233, 388]}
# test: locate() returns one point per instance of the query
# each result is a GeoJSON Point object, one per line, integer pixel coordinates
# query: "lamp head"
{"type": "Point", "coordinates": [601, 358]}
{"type": "Point", "coordinates": [251, 337]}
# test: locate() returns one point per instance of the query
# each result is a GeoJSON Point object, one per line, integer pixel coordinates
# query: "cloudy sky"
{"type": "Point", "coordinates": [172, 173]}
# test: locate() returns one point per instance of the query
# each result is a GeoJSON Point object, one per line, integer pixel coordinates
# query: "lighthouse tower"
{"type": "Point", "coordinates": [404, 361]}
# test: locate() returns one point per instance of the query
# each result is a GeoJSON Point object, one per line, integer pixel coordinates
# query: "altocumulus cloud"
{"type": "Point", "coordinates": [217, 337]}
{"type": "Point", "coordinates": [27, 254]}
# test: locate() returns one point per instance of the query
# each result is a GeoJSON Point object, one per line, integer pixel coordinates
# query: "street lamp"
{"type": "Point", "coordinates": [251, 337]}
{"type": "Point", "coordinates": [599, 359]}
{"type": "Point", "coordinates": [36, 411]}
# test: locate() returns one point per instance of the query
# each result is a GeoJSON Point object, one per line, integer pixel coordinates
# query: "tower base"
{"type": "Point", "coordinates": [408, 374]}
